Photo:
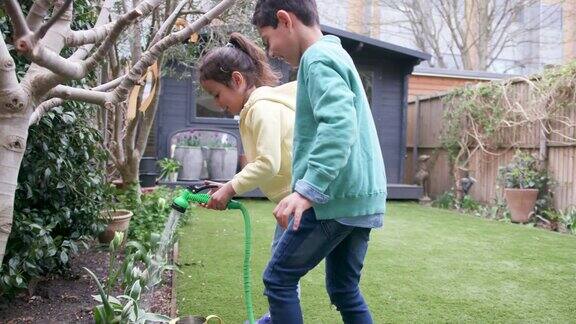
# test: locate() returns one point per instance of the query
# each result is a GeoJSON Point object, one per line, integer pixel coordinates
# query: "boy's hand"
{"type": "Point", "coordinates": [219, 198]}
{"type": "Point", "coordinates": [295, 204]}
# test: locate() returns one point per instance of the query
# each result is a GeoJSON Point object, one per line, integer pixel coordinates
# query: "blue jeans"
{"type": "Point", "coordinates": [344, 248]}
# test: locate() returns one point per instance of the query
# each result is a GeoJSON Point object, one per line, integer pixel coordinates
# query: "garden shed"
{"type": "Point", "coordinates": [187, 117]}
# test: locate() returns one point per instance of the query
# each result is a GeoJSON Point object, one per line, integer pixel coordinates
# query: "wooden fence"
{"type": "Point", "coordinates": [425, 126]}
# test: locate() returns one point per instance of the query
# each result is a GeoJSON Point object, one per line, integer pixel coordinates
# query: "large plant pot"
{"type": "Point", "coordinates": [521, 203]}
{"type": "Point", "coordinates": [118, 221]}
{"type": "Point", "coordinates": [148, 165]}
{"type": "Point", "coordinates": [148, 179]}
{"type": "Point", "coordinates": [222, 163]}
{"type": "Point", "coordinates": [191, 159]}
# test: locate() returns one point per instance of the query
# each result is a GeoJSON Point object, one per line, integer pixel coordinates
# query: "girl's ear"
{"type": "Point", "coordinates": [237, 79]}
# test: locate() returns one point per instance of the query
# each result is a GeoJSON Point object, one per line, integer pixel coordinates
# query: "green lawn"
{"type": "Point", "coordinates": [425, 265]}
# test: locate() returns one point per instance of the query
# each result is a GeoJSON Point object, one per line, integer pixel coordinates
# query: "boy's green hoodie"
{"type": "Point", "coordinates": [336, 147]}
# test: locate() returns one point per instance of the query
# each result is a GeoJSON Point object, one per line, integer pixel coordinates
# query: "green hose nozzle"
{"type": "Point", "coordinates": [193, 195]}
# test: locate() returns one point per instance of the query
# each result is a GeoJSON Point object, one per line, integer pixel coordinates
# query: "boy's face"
{"type": "Point", "coordinates": [281, 43]}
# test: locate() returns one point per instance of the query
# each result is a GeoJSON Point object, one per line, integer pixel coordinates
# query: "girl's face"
{"type": "Point", "coordinates": [231, 98]}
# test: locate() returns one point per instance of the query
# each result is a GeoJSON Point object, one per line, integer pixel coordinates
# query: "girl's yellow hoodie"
{"type": "Point", "coordinates": [266, 129]}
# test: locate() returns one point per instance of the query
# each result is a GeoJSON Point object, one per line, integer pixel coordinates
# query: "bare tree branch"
{"type": "Point", "coordinates": [37, 13]}
{"type": "Point", "coordinates": [43, 108]}
{"type": "Point", "coordinates": [151, 55]}
{"type": "Point", "coordinates": [8, 77]}
{"type": "Point", "coordinates": [71, 69]}
{"type": "Point", "coordinates": [90, 36]}
{"type": "Point", "coordinates": [39, 34]}
{"type": "Point", "coordinates": [168, 23]}
{"type": "Point", "coordinates": [78, 94]}
{"type": "Point", "coordinates": [14, 11]}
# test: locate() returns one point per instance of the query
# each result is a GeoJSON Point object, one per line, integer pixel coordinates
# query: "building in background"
{"type": "Point", "coordinates": [540, 35]}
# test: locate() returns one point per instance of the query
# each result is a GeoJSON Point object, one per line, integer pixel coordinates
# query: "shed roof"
{"type": "Point", "coordinates": [388, 48]}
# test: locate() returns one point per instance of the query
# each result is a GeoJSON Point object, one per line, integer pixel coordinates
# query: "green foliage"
{"type": "Point", "coordinates": [192, 141]}
{"type": "Point", "coordinates": [568, 218]}
{"type": "Point", "coordinates": [126, 308]}
{"type": "Point", "coordinates": [469, 204]}
{"type": "Point", "coordinates": [447, 200]}
{"type": "Point", "coordinates": [480, 106]}
{"type": "Point", "coordinates": [60, 186]}
{"type": "Point", "coordinates": [150, 214]}
{"type": "Point", "coordinates": [523, 172]}
{"type": "Point", "coordinates": [168, 166]}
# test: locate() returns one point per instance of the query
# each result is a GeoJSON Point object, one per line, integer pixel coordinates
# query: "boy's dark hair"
{"type": "Point", "coordinates": [242, 55]}
{"type": "Point", "coordinates": [265, 12]}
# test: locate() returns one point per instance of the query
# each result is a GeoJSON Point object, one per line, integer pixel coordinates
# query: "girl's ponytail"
{"type": "Point", "coordinates": [242, 55]}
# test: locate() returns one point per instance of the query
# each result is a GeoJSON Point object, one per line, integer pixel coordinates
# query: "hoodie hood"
{"type": "Point", "coordinates": [284, 94]}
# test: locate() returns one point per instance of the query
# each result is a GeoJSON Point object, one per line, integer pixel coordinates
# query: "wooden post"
{"type": "Point", "coordinates": [416, 138]}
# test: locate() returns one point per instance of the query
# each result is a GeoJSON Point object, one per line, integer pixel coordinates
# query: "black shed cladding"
{"type": "Point", "coordinates": [384, 69]}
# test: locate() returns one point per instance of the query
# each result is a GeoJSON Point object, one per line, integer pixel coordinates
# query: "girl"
{"type": "Point", "coordinates": [242, 82]}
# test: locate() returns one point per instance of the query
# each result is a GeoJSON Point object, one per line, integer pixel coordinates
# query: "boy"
{"type": "Point", "coordinates": [338, 175]}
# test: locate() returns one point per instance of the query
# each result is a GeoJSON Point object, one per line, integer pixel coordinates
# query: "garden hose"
{"type": "Point", "coordinates": [192, 195]}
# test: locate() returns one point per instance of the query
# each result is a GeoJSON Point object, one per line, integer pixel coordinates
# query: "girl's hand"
{"type": "Point", "coordinates": [220, 198]}
{"type": "Point", "coordinates": [213, 183]}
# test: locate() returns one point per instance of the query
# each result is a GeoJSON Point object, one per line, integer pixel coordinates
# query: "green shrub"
{"type": "Point", "coordinates": [150, 215]}
{"type": "Point", "coordinates": [523, 172]}
{"type": "Point", "coordinates": [60, 184]}
{"type": "Point", "coordinates": [447, 200]}
{"type": "Point", "coordinates": [61, 189]}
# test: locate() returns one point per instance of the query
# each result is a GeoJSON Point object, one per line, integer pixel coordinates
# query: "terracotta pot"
{"type": "Point", "coordinates": [118, 221]}
{"type": "Point", "coordinates": [521, 203]}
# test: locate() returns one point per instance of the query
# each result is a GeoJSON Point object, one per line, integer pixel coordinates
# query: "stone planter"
{"type": "Point", "coordinates": [191, 159]}
{"type": "Point", "coordinates": [521, 203]}
{"type": "Point", "coordinates": [118, 221]}
{"type": "Point", "coordinates": [222, 163]}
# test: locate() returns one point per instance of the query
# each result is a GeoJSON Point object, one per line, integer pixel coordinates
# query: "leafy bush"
{"type": "Point", "coordinates": [447, 200]}
{"type": "Point", "coordinates": [168, 166]}
{"type": "Point", "coordinates": [61, 188]}
{"type": "Point", "coordinates": [523, 172]}
{"type": "Point", "coordinates": [60, 185]}
{"type": "Point", "coordinates": [150, 215]}
{"type": "Point", "coordinates": [469, 204]}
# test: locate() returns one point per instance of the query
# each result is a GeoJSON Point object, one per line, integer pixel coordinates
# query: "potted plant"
{"type": "Point", "coordinates": [189, 154]}
{"type": "Point", "coordinates": [523, 181]}
{"type": "Point", "coordinates": [117, 220]}
{"type": "Point", "coordinates": [169, 169]}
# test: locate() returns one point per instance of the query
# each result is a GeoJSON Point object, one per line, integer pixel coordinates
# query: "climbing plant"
{"type": "Point", "coordinates": [490, 116]}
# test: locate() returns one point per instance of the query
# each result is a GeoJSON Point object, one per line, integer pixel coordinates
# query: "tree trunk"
{"type": "Point", "coordinates": [130, 173]}
{"type": "Point", "coordinates": [14, 114]}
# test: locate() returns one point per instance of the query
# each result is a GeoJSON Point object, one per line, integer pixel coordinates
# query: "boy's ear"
{"type": "Point", "coordinates": [284, 18]}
